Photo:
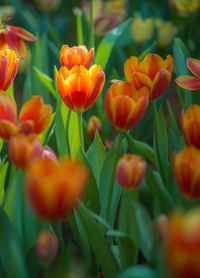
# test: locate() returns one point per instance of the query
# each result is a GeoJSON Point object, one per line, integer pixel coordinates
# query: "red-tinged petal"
{"type": "Point", "coordinates": [3, 67]}
{"type": "Point", "coordinates": [8, 108]}
{"type": "Point", "coordinates": [26, 127]}
{"type": "Point", "coordinates": [140, 79]}
{"type": "Point", "coordinates": [7, 130]}
{"type": "Point", "coordinates": [169, 63]}
{"type": "Point", "coordinates": [24, 34]}
{"type": "Point", "coordinates": [160, 84]}
{"type": "Point", "coordinates": [16, 43]}
{"type": "Point", "coordinates": [151, 64]}
{"type": "Point", "coordinates": [194, 66]}
{"type": "Point", "coordinates": [188, 82]}
{"type": "Point", "coordinates": [36, 111]}
{"type": "Point", "coordinates": [3, 43]}
{"type": "Point", "coordinates": [89, 58]}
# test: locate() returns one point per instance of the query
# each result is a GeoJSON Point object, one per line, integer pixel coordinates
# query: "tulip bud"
{"type": "Point", "coordinates": [186, 167]}
{"type": "Point", "coordinates": [142, 30]}
{"type": "Point", "coordinates": [166, 32]}
{"type": "Point", "coordinates": [47, 246]}
{"type": "Point", "coordinates": [48, 153]}
{"type": "Point", "coordinates": [24, 149]}
{"type": "Point", "coordinates": [182, 244]}
{"type": "Point", "coordinates": [130, 171]}
{"type": "Point", "coordinates": [107, 144]}
{"type": "Point", "coordinates": [93, 125]}
{"type": "Point", "coordinates": [163, 225]}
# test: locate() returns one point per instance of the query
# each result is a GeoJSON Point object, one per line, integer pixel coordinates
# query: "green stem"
{"type": "Point", "coordinates": [67, 131]}
{"type": "Point", "coordinates": [80, 127]}
{"type": "Point", "coordinates": [79, 28]}
{"type": "Point", "coordinates": [91, 33]}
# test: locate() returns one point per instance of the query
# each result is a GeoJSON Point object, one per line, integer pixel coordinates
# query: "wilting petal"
{"type": "Point", "coordinates": [188, 82]}
{"type": "Point", "coordinates": [194, 66]}
{"type": "Point", "coordinates": [36, 111]}
{"type": "Point", "coordinates": [22, 33]}
{"type": "Point", "coordinates": [160, 84]}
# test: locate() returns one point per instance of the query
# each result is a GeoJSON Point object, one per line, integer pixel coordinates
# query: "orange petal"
{"type": "Point", "coordinates": [131, 67]}
{"type": "Point", "coordinates": [3, 68]}
{"type": "Point", "coordinates": [8, 108]}
{"type": "Point", "coordinates": [169, 63]}
{"type": "Point", "coordinates": [194, 66]}
{"type": "Point", "coordinates": [140, 79]}
{"type": "Point", "coordinates": [151, 64]}
{"type": "Point", "coordinates": [188, 82]}
{"type": "Point", "coordinates": [7, 130]}
{"type": "Point", "coordinates": [22, 33]}
{"type": "Point", "coordinates": [160, 84]}
{"type": "Point", "coordinates": [36, 111]}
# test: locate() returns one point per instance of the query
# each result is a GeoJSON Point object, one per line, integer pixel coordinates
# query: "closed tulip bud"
{"type": "Point", "coordinates": [163, 225]}
{"type": "Point", "coordinates": [48, 153]}
{"type": "Point", "coordinates": [185, 7]}
{"type": "Point", "coordinates": [186, 167]}
{"type": "Point", "coordinates": [47, 246]}
{"type": "Point", "coordinates": [130, 171]}
{"type": "Point", "coordinates": [76, 55]}
{"type": "Point", "coordinates": [182, 244]}
{"type": "Point", "coordinates": [153, 72]}
{"type": "Point", "coordinates": [124, 105]}
{"type": "Point", "coordinates": [141, 30]}
{"type": "Point", "coordinates": [166, 32]}
{"type": "Point", "coordinates": [107, 144]}
{"type": "Point", "coordinates": [54, 188]}
{"type": "Point", "coordinates": [93, 125]}
{"type": "Point", "coordinates": [23, 149]}
{"type": "Point", "coordinates": [79, 87]}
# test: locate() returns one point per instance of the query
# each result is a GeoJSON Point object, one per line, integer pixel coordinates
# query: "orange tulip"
{"type": "Point", "coordinates": [77, 55]}
{"type": "Point", "coordinates": [93, 125]}
{"type": "Point", "coordinates": [79, 87]}
{"type": "Point", "coordinates": [23, 149]}
{"type": "Point", "coordinates": [130, 171]}
{"type": "Point", "coordinates": [8, 68]}
{"type": "Point", "coordinates": [190, 82]}
{"type": "Point", "coordinates": [47, 246]}
{"type": "Point", "coordinates": [182, 244]}
{"type": "Point", "coordinates": [186, 167]}
{"type": "Point", "coordinates": [153, 72]}
{"type": "Point", "coordinates": [53, 189]}
{"type": "Point", "coordinates": [125, 105]}
{"type": "Point", "coordinates": [190, 123]}
{"type": "Point", "coordinates": [34, 116]}
{"type": "Point", "coordinates": [13, 37]}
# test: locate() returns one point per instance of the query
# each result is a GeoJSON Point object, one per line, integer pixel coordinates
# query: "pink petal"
{"type": "Point", "coordinates": [194, 66]}
{"type": "Point", "coordinates": [188, 82]}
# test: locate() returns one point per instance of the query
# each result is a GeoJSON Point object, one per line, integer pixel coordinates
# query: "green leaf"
{"type": "Point", "coordinates": [101, 249]}
{"type": "Point", "coordinates": [96, 155]}
{"type": "Point", "coordinates": [10, 253]}
{"type": "Point", "coordinates": [148, 50]}
{"type": "Point", "coordinates": [147, 150]}
{"type": "Point", "coordinates": [106, 45]}
{"type": "Point", "coordinates": [3, 172]}
{"type": "Point", "coordinates": [173, 122]}
{"type": "Point", "coordinates": [60, 134]}
{"type": "Point", "coordinates": [46, 80]}
{"type": "Point", "coordinates": [140, 271]}
{"type": "Point", "coordinates": [107, 177]}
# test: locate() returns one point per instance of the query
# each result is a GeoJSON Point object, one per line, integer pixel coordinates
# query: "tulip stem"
{"type": "Point", "coordinates": [67, 130]}
{"type": "Point", "coordinates": [80, 126]}
{"type": "Point", "coordinates": [79, 26]}
{"type": "Point", "coordinates": [91, 33]}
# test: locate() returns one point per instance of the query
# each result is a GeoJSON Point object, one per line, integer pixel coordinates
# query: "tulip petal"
{"type": "Point", "coordinates": [22, 33]}
{"type": "Point", "coordinates": [169, 63]}
{"type": "Point", "coordinates": [96, 90]}
{"type": "Point", "coordinates": [151, 64]}
{"type": "Point", "coordinates": [16, 43]}
{"type": "Point", "coordinates": [188, 82]}
{"type": "Point", "coordinates": [194, 66]}
{"type": "Point", "coordinates": [160, 84]}
{"type": "Point", "coordinates": [7, 130]}
{"type": "Point", "coordinates": [131, 67]}
{"type": "Point", "coordinates": [8, 108]}
{"type": "Point", "coordinates": [3, 68]}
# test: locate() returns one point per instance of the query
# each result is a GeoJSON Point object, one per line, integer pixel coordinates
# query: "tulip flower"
{"type": "Point", "coordinates": [48, 153]}
{"type": "Point", "coordinates": [124, 105]}
{"type": "Point", "coordinates": [190, 123]}
{"type": "Point", "coordinates": [8, 68]}
{"type": "Point", "coordinates": [190, 82]}
{"type": "Point", "coordinates": [141, 30]}
{"type": "Point", "coordinates": [76, 55]}
{"type": "Point", "coordinates": [93, 125]}
{"type": "Point", "coordinates": [79, 87]}
{"type": "Point", "coordinates": [53, 189]}
{"type": "Point", "coordinates": [185, 7]}
{"type": "Point", "coordinates": [107, 14]}
{"type": "Point", "coordinates": [182, 244]}
{"type": "Point", "coordinates": [153, 72]}
{"type": "Point", "coordinates": [23, 149]}
{"type": "Point", "coordinates": [162, 222]}
{"type": "Point", "coordinates": [166, 32]}
{"type": "Point", "coordinates": [13, 37]}
{"type": "Point", "coordinates": [130, 171]}
{"type": "Point", "coordinates": [186, 167]}
{"type": "Point", "coordinates": [34, 116]}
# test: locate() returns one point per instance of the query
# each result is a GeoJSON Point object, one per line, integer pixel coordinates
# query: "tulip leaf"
{"type": "Point", "coordinates": [46, 80]}
{"type": "Point", "coordinates": [10, 254]}
{"type": "Point", "coordinates": [106, 45]}
{"type": "Point", "coordinates": [96, 156]}
{"type": "Point", "coordinates": [60, 137]}
{"type": "Point", "coordinates": [3, 172]}
{"type": "Point", "coordinates": [101, 249]}
{"type": "Point", "coordinates": [107, 177]}
{"type": "Point", "coordinates": [140, 271]}
{"type": "Point", "coordinates": [148, 50]}
{"type": "Point", "coordinates": [146, 150]}
{"type": "Point", "coordinates": [173, 122]}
